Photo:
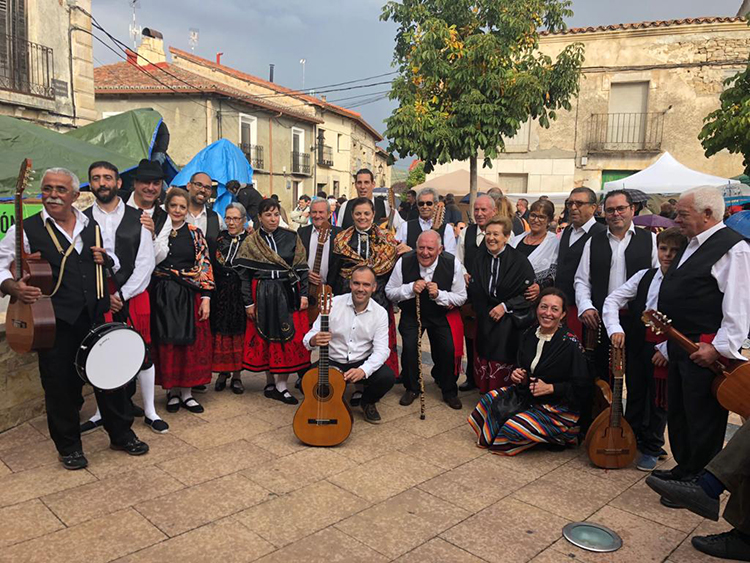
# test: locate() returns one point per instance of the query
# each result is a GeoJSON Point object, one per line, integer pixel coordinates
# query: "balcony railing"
{"type": "Point", "coordinates": [26, 67]}
{"type": "Point", "coordinates": [300, 163]}
{"type": "Point", "coordinates": [325, 155]}
{"type": "Point", "coordinates": [615, 132]}
{"type": "Point", "coordinates": [254, 155]}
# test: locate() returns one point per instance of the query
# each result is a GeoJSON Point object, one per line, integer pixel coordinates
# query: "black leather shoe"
{"type": "Point", "coordinates": [667, 503]}
{"type": "Point", "coordinates": [221, 382]}
{"type": "Point", "coordinates": [237, 387]}
{"type": "Point", "coordinates": [138, 411]}
{"type": "Point", "coordinates": [371, 413]}
{"type": "Point", "coordinates": [91, 425]}
{"type": "Point", "coordinates": [729, 545]}
{"type": "Point", "coordinates": [408, 398]}
{"type": "Point", "coordinates": [73, 461]}
{"type": "Point", "coordinates": [132, 447]}
{"type": "Point", "coordinates": [685, 494]}
{"type": "Point", "coordinates": [453, 402]}
{"type": "Point", "coordinates": [284, 396]}
{"type": "Point", "coordinates": [192, 405]}
{"type": "Point", "coordinates": [200, 389]}
{"type": "Point", "coordinates": [156, 425]}
{"type": "Point", "coordinates": [664, 475]}
{"type": "Point", "coordinates": [467, 385]}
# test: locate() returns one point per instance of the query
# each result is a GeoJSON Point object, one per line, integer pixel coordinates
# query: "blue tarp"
{"type": "Point", "coordinates": [222, 161]}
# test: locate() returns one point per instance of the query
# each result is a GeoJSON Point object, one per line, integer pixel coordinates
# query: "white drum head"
{"type": "Point", "coordinates": [115, 359]}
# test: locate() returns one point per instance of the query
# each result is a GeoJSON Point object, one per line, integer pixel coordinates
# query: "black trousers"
{"type": "Point", "coordinates": [732, 467]}
{"type": "Point", "coordinates": [441, 343]}
{"type": "Point", "coordinates": [469, 346]}
{"type": "Point", "coordinates": [697, 422]}
{"type": "Point", "coordinates": [376, 386]}
{"type": "Point", "coordinates": [62, 392]}
{"type": "Point", "coordinates": [647, 419]}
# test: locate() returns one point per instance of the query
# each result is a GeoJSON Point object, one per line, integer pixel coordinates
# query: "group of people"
{"type": "Point", "coordinates": [535, 314]}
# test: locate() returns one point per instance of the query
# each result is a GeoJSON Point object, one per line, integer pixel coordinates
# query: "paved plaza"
{"type": "Point", "coordinates": [234, 485]}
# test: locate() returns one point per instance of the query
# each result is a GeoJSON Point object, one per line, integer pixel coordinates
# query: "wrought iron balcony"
{"type": "Point", "coordinates": [325, 155]}
{"type": "Point", "coordinates": [254, 155]}
{"type": "Point", "coordinates": [26, 67]}
{"type": "Point", "coordinates": [300, 163]}
{"type": "Point", "coordinates": [617, 132]}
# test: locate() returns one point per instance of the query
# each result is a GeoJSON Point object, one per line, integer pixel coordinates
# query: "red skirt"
{"type": "Point", "coordinates": [186, 365]}
{"type": "Point", "coordinates": [140, 313]}
{"type": "Point", "coordinates": [228, 352]}
{"type": "Point", "coordinates": [277, 357]}
{"type": "Point", "coordinates": [490, 375]}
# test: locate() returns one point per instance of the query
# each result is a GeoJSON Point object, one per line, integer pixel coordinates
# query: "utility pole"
{"type": "Point", "coordinates": [302, 62]}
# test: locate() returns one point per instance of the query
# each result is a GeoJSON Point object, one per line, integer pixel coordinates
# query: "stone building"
{"type": "Point", "coordinates": [46, 62]}
{"type": "Point", "coordinates": [645, 89]}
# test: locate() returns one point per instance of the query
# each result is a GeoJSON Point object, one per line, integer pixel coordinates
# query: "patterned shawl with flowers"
{"type": "Point", "coordinates": [200, 276]}
{"type": "Point", "coordinates": [382, 256]}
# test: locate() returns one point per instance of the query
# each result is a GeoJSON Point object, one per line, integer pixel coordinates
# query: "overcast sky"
{"type": "Point", "coordinates": [340, 40]}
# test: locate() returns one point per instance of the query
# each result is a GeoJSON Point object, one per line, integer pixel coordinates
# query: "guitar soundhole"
{"type": "Point", "coordinates": [323, 392]}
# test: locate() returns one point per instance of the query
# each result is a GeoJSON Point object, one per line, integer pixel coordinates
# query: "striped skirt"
{"type": "Point", "coordinates": [539, 424]}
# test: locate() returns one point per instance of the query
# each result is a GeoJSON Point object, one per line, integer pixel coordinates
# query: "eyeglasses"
{"type": "Point", "coordinates": [571, 203]}
{"type": "Point", "coordinates": [60, 190]}
{"type": "Point", "coordinates": [537, 217]}
{"type": "Point", "coordinates": [619, 210]}
{"type": "Point", "coordinates": [233, 219]}
{"type": "Point", "coordinates": [427, 203]}
{"type": "Point", "coordinates": [202, 187]}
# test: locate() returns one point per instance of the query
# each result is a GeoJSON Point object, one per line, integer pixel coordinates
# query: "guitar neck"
{"type": "Point", "coordinates": [689, 346]}
{"type": "Point", "coordinates": [323, 363]}
{"type": "Point", "coordinates": [19, 236]}
{"type": "Point", "coordinates": [318, 257]}
{"type": "Point", "coordinates": [616, 412]}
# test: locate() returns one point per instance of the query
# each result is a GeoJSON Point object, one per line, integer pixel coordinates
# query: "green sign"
{"type": "Point", "coordinates": [8, 215]}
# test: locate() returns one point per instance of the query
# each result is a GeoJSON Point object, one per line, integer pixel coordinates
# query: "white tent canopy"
{"type": "Point", "coordinates": [667, 176]}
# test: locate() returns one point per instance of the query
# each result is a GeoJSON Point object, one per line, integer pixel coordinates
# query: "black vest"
{"type": "Point", "coordinates": [212, 230]}
{"type": "Point", "coordinates": [414, 229]}
{"type": "Point", "coordinates": [637, 330]}
{"type": "Point", "coordinates": [569, 257]}
{"type": "Point", "coordinates": [159, 216]}
{"type": "Point", "coordinates": [348, 220]}
{"type": "Point", "coordinates": [470, 246]}
{"type": "Point", "coordinates": [78, 287]}
{"type": "Point", "coordinates": [127, 241]}
{"type": "Point", "coordinates": [689, 295]}
{"type": "Point", "coordinates": [430, 312]}
{"type": "Point", "coordinates": [637, 258]}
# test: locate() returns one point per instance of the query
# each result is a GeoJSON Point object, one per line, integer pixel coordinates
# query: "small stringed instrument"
{"type": "Point", "coordinates": [29, 327]}
{"type": "Point", "coordinates": [731, 386]}
{"type": "Point", "coordinates": [602, 391]}
{"type": "Point", "coordinates": [314, 290]}
{"type": "Point", "coordinates": [610, 440]}
{"type": "Point", "coordinates": [323, 418]}
{"type": "Point", "coordinates": [388, 225]}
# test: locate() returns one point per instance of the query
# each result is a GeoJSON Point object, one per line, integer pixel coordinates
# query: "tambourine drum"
{"type": "Point", "coordinates": [110, 356]}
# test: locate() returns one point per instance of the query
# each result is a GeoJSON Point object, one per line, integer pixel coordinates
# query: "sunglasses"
{"type": "Point", "coordinates": [427, 203]}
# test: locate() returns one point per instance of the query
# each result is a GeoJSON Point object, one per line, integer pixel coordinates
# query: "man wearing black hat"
{"type": "Point", "coordinates": [146, 193]}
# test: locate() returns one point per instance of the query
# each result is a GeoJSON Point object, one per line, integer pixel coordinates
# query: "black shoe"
{"type": "Point", "coordinates": [200, 389]}
{"type": "Point", "coordinates": [73, 461]}
{"type": "Point", "coordinates": [158, 425]}
{"type": "Point", "coordinates": [268, 390]}
{"type": "Point", "coordinates": [137, 411]}
{"type": "Point", "coordinates": [221, 382]}
{"type": "Point", "coordinates": [284, 396]}
{"type": "Point", "coordinates": [356, 399]}
{"type": "Point", "coordinates": [467, 385]}
{"type": "Point", "coordinates": [408, 398]}
{"type": "Point", "coordinates": [664, 501]}
{"type": "Point", "coordinates": [665, 475]}
{"type": "Point", "coordinates": [192, 405]}
{"type": "Point", "coordinates": [685, 494]}
{"type": "Point", "coordinates": [132, 447]}
{"type": "Point", "coordinates": [729, 545]}
{"type": "Point", "coordinates": [371, 413]}
{"type": "Point", "coordinates": [90, 426]}
{"type": "Point", "coordinates": [298, 383]}
{"type": "Point", "coordinates": [237, 387]}
{"type": "Point", "coordinates": [453, 402]}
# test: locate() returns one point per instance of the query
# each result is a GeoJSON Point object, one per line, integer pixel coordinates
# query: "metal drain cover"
{"type": "Point", "coordinates": [592, 537]}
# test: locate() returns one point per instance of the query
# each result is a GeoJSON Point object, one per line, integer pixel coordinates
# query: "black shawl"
{"type": "Point", "coordinates": [227, 311]}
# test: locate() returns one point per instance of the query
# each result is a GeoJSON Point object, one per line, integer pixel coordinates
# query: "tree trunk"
{"type": "Point", "coordinates": [472, 185]}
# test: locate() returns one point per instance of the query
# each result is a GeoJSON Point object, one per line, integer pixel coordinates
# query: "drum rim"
{"type": "Point", "coordinates": [99, 330]}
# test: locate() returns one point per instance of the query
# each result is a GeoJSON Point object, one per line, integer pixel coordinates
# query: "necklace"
{"type": "Point", "coordinates": [534, 242]}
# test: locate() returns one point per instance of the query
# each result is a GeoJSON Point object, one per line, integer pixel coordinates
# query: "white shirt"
{"type": "Point", "coordinates": [144, 260]}
{"type": "Point", "coordinates": [131, 203]}
{"type": "Point", "coordinates": [314, 250]}
{"type": "Point", "coordinates": [461, 244]}
{"type": "Point", "coordinates": [396, 290]}
{"type": "Point", "coordinates": [397, 220]}
{"type": "Point", "coordinates": [624, 294]}
{"type": "Point", "coordinates": [575, 233]}
{"type": "Point", "coordinates": [201, 220]}
{"type": "Point", "coordinates": [617, 272]}
{"type": "Point", "coordinates": [449, 240]}
{"type": "Point", "coordinates": [355, 336]}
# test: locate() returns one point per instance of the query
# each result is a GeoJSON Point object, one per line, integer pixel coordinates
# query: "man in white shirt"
{"type": "Point", "coordinates": [208, 221]}
{"type": "Point", "coordinates": [320, 214]}
{"type": "Point", "coordinates": [358, 341]}
{"type": "Point", "coordinates": [364, 183]}
{"type": "Point", "coordinates": [409, 231]}
{"type": "Point", "coordinates": [436, 279]}
{"type": "Point", "coordinates": [145, 195]}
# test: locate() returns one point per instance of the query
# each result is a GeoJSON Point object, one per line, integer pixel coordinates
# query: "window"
{"type": "Point", "coordinates": [248, 130]}
{"type": "Point", "coordinates": [297, 190]}
{"type": "Point", "coordinates": [520, 141]}
{"type": "Point", "coordinates": [336, 188]}
{"type": "Point", "coordinates": [513, 183]}
{"type": "Point", "coordinates": [628, 104]}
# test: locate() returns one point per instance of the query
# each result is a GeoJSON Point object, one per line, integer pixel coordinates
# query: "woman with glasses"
{"type": "Point", "coordinates": [540, 246]}
{"type": "Point", "coordinates": [228, 319]}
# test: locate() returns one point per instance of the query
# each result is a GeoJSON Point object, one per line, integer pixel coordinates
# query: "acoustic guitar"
{"type": "Point", "coordinates": [29, 327]}
{"type": "Point", "coordinates": [602, 391]}
{"type": "Point", "coordinates": [314, 290]}
{"type": "Point", "coordinates": [388, 223]}
{"type": "Point", "coordinates": [731, 386]}
{"type": "Point", "coordinates": [610, 440]}
{"type": "Point", "coordinates": [323, 418]}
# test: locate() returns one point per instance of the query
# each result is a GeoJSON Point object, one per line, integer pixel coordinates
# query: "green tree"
{"type": "Point", "coordinates": [470, 73]}
{"type": "Point", "coordinates": [729, 126]}
{"type": "Point", "coordinates": [416, 176]}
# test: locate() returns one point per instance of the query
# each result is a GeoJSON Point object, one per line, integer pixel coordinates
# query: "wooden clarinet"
{"type": "Point", "coordinates": [419, 357]}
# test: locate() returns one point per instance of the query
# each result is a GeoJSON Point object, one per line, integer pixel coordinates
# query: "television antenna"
{"type": "Point", "coordinates": [193, 34]}
{"type": "Point", "coordinates": [302, 62]}
{"type": "Point", "coordinates": [135, 29]}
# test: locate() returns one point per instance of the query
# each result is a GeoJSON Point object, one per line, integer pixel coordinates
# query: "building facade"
{"type": "Point", "coordinates": [645, 89]}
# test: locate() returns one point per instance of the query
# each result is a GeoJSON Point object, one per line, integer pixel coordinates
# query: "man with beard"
{"type": "Point", "coordinates": [122, 230]}
{"type": "Point", "coordinates": [207, 220]}
{"type": "Point", "coordinates": [364, 183]}
{"type": "Point", "coordinates": [145, 196]}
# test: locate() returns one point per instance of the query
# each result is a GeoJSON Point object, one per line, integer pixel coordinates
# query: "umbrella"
{"type": "Point", "coordinates": [736, 194]}
{"type": "Point", "coordinates": [651, 221]}
{"type": "Point", "coordinates": [739, 222]}
{"type": "Point", "coordinates": [637, 195]}
{"type": "Point", "coordinates": [467, 197]}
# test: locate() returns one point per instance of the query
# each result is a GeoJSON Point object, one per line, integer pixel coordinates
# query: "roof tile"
{"type": "Point", "coordinates": [647, 25]}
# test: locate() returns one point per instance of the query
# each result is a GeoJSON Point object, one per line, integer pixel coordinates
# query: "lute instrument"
{"type": "Point", "coordinates": [602, 391]}
{"type": "Point", "coordinates": [29, 327]}
{"type": "Point", "coordinates": [731, 386]}
{"type": "Point", "coordinates": [323, 418]}
{"type": "Point", "coordinates": [610, 441]}
{"type": "Point", "coordinates": [314, 290]}
{"type": "Point", "coordinates": [388, 224]}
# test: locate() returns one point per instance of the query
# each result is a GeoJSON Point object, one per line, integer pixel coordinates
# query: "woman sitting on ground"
{"type": "Point", "coordinates": [552, 381]}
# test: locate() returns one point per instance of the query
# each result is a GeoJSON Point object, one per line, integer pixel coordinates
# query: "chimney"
{"type": "Point", "coordinates": [151, 50]}
{"type": "Point", "coordinates": [218, 58]}
{"type": "Point", "coordinates": [323, 98]}
{"type": "Point", "coordinates": [270, 72]}
{"type": "Point", "coordinates": [132, 57]}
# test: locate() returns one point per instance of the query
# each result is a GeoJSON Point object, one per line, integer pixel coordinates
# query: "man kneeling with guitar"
{"type": "Point", "coordinates": [358, 341]}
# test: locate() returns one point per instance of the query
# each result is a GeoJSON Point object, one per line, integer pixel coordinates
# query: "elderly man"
{"type": "Point", "coordinates": [408, 233]}
{"type": "Point", "coordinates": [77, 308]}
{"type": "Point", "coordinates": [145, 196]}
{"type": "Point", "coordinates": [364, 183]}
{"type": "Point", "coordinates": [704, 295]}
{"type": "Point", "coordinates": [320, 215]}
{"type": "Point", "coordinates": [436, 279]}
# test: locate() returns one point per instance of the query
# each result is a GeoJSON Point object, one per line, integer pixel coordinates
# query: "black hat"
{"type": "Point", "coordinates": [149, 170]}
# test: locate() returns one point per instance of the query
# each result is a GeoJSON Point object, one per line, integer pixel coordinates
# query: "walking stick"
{"type": "Point", "coordinates": [419, 359]}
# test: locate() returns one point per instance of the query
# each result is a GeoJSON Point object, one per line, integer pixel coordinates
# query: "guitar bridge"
{"type": "Point", "coordinates": [322, 421]}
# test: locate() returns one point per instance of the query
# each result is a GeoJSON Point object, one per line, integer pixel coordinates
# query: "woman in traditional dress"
{"type": "Point", "coordinates": [500, 276]}
{"type": "Point", "coordinates": [550, 388]}
{"type": "Point", "coordinates": [181, 291]}
{"type": "Point", "coordinates": [366, 244]}
{"type": "Point", "coordinates": [274, 272]}
{"type": "Point", "coordinates": [228, 319]}
{"type": "Point", "coordinates": [540, 246]}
